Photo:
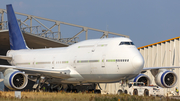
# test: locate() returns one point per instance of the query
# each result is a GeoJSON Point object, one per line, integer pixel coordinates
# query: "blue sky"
{"type": "Point", "coordinates": [145, 21]}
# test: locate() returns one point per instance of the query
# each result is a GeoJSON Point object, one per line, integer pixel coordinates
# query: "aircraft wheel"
{"type": "Point", "coordinates": [125, 91]}
{"type": "Point", "coordinates": [146, 92]}
{"type": "Point", "coordinates": [68, 90]}
{"type": "Point", "coordinates": [135, 92]}
{"type": "Point", "coordinates": [97, 91]}
{"type": "Point", "coordinates": [90, 90]}
{"type": "Point", "coordinates": [74, 91]}
{"type": "Point", "coordinates": [119, 92]}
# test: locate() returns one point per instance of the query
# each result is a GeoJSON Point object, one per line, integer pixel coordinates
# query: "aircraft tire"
{"type": "Point", "coordinates": [146, 92]}
{"type": "Point", "coordinates": [74, 90]}
{"type": "Point", "coordinates": [135, 92]}
{"type": "Point", "coordinates": [97, 91]}
{"type": "Point", "coordinates": [119, 92]}
{"type": "Point", "coordinates": [125, 91]}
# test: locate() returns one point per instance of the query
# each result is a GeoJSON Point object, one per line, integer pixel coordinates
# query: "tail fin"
{"type": "Point", "coordinates": [15, 35]}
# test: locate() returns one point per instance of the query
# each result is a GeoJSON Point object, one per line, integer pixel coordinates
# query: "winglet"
{"type": "Point", "coordinates": [16, 38]}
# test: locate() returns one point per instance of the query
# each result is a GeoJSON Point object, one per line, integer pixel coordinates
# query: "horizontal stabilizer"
{"type": "Point", "coordinates": [6, 58]}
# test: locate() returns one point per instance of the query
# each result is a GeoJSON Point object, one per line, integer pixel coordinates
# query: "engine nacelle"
{"type": "Point", "coordinates": [14, 79]}
{"type": "Point", "coordinates": [166, 79]}
{"type": "Point", "coordinates": [142, 78]}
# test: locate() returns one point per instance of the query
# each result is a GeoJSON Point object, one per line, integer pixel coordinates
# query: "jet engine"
{"type": "Point", "coordinates": [142, 78]}
{"type": "Point", "coordinates": [14, 79]}
{"type": "Point", "coordinates": [166, 79]}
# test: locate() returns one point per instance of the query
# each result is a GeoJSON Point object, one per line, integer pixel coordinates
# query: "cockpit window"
{"type": "Point", "coordinates": [126, 43]}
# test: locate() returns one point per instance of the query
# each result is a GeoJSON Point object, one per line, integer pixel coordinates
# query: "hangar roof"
{"type": "Point", "coordinates": [159, 42]}
{"type": "Point", "coordinates": [33, 41]}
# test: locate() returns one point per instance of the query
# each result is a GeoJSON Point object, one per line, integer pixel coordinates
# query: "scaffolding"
{"type": "Point", "coordinates": [47, 32]}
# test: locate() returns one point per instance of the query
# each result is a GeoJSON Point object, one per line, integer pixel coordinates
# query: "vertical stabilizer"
{"type": "Point", "coordinates": [15, 35]}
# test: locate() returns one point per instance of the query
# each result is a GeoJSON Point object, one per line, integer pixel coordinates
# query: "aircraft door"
{"type": "Point", "coordinates": [75, 61]}
{"type": "Point", "coordinates": [103, 61]}
{"type": "Point", "coordinates": [34, 62]}
{"type": "Point", "coordinates": [103, 66]}
{"type": "Point", "coordinates": [54, 63]}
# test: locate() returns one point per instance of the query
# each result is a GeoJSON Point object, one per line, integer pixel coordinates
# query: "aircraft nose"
{"type": "Point", "coordinates": [138, 62]}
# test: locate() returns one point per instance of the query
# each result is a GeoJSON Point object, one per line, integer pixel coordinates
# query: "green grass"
{"type": "Point", "coordinates": [61, 96]}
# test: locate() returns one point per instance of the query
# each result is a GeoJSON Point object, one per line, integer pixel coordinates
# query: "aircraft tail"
{"type": "Point", "coordinates": [16, 38]}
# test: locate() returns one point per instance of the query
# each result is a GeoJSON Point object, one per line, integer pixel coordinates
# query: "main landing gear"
{"type": "Point", "coordinates": [39, 83]}
{"type": "Point", "coordinates": [89, 88]}
{"type": "Point", "coordinates": [94, 90]}
{"type": "Point", "coordinates": [70, 88]}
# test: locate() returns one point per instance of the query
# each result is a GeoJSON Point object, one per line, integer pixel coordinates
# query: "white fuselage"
{"type": "Point", "coordinates": [99, 60]}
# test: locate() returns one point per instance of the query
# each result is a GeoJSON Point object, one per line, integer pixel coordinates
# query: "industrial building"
{"type": "Point", "coordinates": [162, 54]}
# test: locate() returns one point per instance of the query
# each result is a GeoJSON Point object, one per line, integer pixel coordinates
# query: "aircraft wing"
{"type": "Point", "coordinates": [151, 68]}
{"type": "Point", "coordinates": [60, 73]}
{"type": "Point", "coordinates": [5, 57]}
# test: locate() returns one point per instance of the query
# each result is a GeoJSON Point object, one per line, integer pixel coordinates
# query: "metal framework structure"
{"type": "Point", "coordinates": [49, 33]}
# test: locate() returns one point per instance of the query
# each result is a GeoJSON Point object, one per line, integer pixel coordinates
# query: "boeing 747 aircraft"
{"type": "Point", "coordinates": [92, 61]}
